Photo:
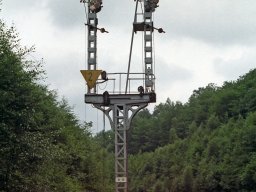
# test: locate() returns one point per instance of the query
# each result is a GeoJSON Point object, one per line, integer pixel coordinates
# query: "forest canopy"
{"type": "Point", "coordinates": [207, 144]}
{"type": "Point", "coordinates": [43, 146]}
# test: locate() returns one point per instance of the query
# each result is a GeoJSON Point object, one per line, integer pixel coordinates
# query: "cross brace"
{"type": "Point", "coordinates": [120, 111]}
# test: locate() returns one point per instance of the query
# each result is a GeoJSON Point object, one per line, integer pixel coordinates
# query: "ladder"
{"type": "Point", "coordinates": [92, 43]}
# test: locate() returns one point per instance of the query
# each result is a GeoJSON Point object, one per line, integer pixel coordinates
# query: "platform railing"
{"type": "Point", "coordinates": [115, 83]}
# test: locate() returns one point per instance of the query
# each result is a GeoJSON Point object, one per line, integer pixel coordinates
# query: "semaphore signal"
{"type": "Point", "coordinates": [121, 103]}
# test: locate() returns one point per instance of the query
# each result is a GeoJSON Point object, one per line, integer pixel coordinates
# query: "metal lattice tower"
{"type": "Point", "coordinates": [120, 116]}
{"type": "Point", "coordinates": [120, 107]}
{"type": "Point", "coordinates": [92, 42]}
{"type": "Point", "coordinates": [148, 48]}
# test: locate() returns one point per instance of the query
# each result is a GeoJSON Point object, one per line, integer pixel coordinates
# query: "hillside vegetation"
{"type": "Point", "coordinates": [43, 147]}
{"type": "Point", "coordinates": [205, 145]}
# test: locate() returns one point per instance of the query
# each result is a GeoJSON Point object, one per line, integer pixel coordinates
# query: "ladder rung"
{"type": "Point", "coordinates": [148, 49]}
{"type": "Point", "coordinates": [91, 38]}
{"type": "Point", "coordinates": [91, 15]}
{"type": "Point", "coordinates": [92, 61]}
{"type": "Point", "coordinates": [148, 37]}
{"type": "Point", "coordinates": [91, 50]}
{"type": "Point", "coordinates": [147, 15]}
{"type": "Point", "coordinates": [148, 60]}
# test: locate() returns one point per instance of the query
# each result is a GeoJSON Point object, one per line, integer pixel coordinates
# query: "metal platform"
{"type": "Point", "coordinates": [106, 99]}
{"type": "Point", "coordinates": [120, 110]}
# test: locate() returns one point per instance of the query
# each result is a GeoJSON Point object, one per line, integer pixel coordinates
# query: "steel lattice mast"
{"type": "Point", "coordinates": [121, 106]}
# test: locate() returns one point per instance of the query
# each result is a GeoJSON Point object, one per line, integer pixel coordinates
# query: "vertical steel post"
{"type": "Point", "coordinates": [148, 49]}
{"type": "Point", "coordinates": [92, 43]}
{"type": "Point", "coordinates": [123, 109]}
{"type": "Point", "coordinates": [120, 117]}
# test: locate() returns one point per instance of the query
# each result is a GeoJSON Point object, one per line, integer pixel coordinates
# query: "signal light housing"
{"type": "Point", "coordinates": [95, 5]}
{"type": "Point", "coordinates": [151, 5]}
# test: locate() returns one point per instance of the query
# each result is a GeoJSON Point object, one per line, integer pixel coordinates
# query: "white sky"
{"type": "Point", "coordinates": [206, 41]}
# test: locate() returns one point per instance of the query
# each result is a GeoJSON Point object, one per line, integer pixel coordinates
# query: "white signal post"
{"type": "Point", "coordinates": [121, 106]}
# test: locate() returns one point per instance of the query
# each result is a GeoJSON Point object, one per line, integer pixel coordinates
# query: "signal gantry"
{"type": "Point", "coordinates": [118, 105]}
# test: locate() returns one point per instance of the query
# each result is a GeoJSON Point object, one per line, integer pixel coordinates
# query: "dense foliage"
{"type": "Point", "coordinates": [43, 147]}
{"type": "Point", "coordinates": [205, 145]}
{"type": "Point", "coordinates": [210, 106]}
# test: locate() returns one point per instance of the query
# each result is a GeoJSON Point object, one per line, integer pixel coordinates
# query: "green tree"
{"type": "Point", "coordinates": [188, 179]}
{"type": "Point", "coordinates": [43, 147]}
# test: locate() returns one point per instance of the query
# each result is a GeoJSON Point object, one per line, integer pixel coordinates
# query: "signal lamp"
{"type": "Point", "coordinates": [95, 5]}
{"type": "Point", "coordinates": [151, 5]}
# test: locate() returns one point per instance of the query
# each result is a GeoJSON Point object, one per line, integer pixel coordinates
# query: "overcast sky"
{"type": "Point", "coordinates": [206, 41]}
